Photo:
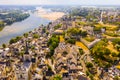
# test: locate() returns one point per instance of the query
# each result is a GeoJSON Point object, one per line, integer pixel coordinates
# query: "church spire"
{"type": "Point", "coordinates": [26, 48]}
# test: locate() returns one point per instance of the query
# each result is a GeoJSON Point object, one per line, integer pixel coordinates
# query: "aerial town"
{"type": "Point", "coordinates": [81, 45]}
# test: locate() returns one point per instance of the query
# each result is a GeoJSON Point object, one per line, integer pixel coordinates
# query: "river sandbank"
{"type": "Point", "coordinates": [49, 15]}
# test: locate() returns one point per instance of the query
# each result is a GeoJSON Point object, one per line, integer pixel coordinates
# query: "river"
{"type": "Point", "coordinates": [18, 28]}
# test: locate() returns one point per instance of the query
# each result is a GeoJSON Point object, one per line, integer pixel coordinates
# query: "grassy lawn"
{"type": "Point", "coordinates": [81, 23]}
{"type": "Point", "coordinates": [118, 66]}
{"type": "Point", "coordinates": [89, 38]}
{"type": "Point", "coordinates": [107, 36]}
{"type": "Point", "coordinates": [80, 44]}
{"type": "Point", "coordinates": [61, 38]}
{"type": "Point", "coordinates": [112, 34]}
{"type": "Point", "coordinates": [108, 27]}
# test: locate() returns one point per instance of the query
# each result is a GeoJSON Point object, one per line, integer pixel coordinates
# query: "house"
{"type": "Point", "coordinates": [36, 77]}
{"type": "Point", "coordinates": [49, 74]}
{"type": "Point", "coordinates": [16, 51]}
{"type": "Point", "coordinates": [41, 66]}
{"type": "Point", "coordinates": [89, 29]}
{"type": "Point", "coordinates": [33, 60]}
{"type": "Point", "coordinates": [66, 76]}
{"type": "Point", "coordinates": [58, 32]}
{"type": "Point", "coordinates": [103, 30]}
{"type": "Point", "coordinates": [4, 78]}
{"type": "Point", "coordinates": [80, 77]}
{"type": "Point", "coordinates": [73, 69]}
{"type": "Point", "coordinates": [2, 69]}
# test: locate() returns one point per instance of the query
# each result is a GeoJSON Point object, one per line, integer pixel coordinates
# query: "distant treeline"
{"type": "Point", "coordinates": [8, 18]}
{"type": "Point", "coordinates": [1, 25]}
{"type": "Point", "coordinates": [18, 7]}
{"type": "Point", "coordinates": [13, 17]}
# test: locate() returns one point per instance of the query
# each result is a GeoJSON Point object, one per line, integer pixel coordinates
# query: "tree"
{"type": "Point", "coordinates": [17, 38]}
{"type": "Point", "coordinates": [44, 30]}
{"type": "Point", "coordinates": [74, 31]}
{"type": "Point", "coordinates": [105, 40]}
{"type": "Point", "coordinates": [49, 68]}
{"type": "Point", "coordinates": [118, 54]}
{"type": "Point", "coordinates": [47, 33]}
{"type": "Point", "coordinates": [116, 78]}
{"type": "Point", "coordinates": [114, 54]}
{"type": "Point", "coordinates": [53, 43]}
{"type": "Point", "coordinates": [36, 36]}
{"type": "Point", "coordinates": [97, 29]}
{"type": "Point", "coordinates": [81, 51]}
{"type": "Point", "coordinates": [71, 41]}
{"type": "Point", "coordinates": [116, 41]}
{"type": "Point", "coordinates": [32, 47]}
{"type": "Point", "coordinates": [12, 41]}
{"type": "Point", "coordinates": [57, 26]}
{"type": "Point", "coordinates": [1, 24]}
{"type": "Point", "coordinates": [101, 54]}
{"type": "Point", "coordinates": [57, 77]}
{"type": "Point", "coordinates": [25, 35]}
{"type": "Point", "coordinates": [106, 51]}
{"type": "Point", "coordinates": [89, 65]}
{"type": "Point", "coordinates": [117, 47]}
{"type": "Point", "coordinates": [83, 33]}
{"type": "Point", "coordinates": [21, 53]}
{"type": "Point", "coordinates": [4, 45]}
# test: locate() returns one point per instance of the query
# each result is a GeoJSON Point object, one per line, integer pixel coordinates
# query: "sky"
{"type": "Point", "coordinates": [59, 2]}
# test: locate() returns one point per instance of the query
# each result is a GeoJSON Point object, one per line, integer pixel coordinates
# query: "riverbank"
{"type": "Point", "coordinates": [19, 28]}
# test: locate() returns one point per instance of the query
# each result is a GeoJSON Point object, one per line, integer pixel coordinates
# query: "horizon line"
{"type": "Point", "coordinates": [60, 4]}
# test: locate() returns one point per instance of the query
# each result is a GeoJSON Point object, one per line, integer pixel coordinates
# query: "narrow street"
{"type": "Point", "coordinates": [52, 66]}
